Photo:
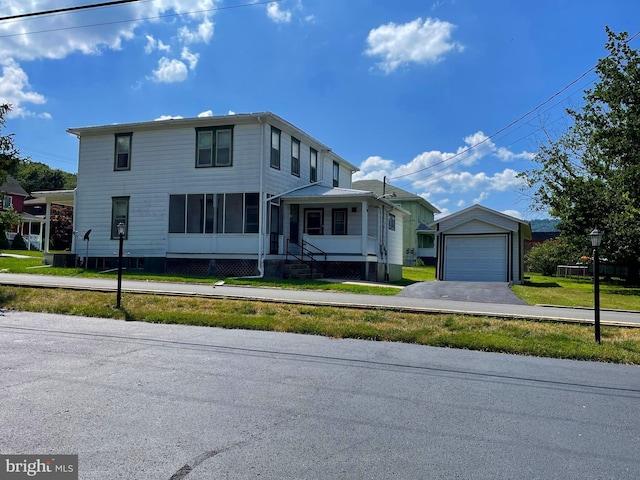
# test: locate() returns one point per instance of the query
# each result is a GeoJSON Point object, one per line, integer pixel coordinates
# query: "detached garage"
{"type": "Point", "coordinates": [478, 244]}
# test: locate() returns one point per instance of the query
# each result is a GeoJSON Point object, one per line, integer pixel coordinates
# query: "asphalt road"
{"type": "Point", "coordinates": [145, 401]}
{"type": "Point", "coordinates": [415, 302]}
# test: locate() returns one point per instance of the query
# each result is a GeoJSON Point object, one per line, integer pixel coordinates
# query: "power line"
{"type": "Point", "coordinates": [67, 9]}
{"type": "Point", "coordinates": [518, 120]}
{"type": "Point", "coordinates": [169, 15]}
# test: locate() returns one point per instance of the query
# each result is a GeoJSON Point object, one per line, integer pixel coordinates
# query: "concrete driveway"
{"type": "Point", "coordinates": [481, 292]}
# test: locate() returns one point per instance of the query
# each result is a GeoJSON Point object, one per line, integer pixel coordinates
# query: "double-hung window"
{"type": "Point", "coordinates": [339, 221]}
{"type": "Point", "coordinates": [336, 174]}
{"type": "Point", "coordinates": [313, 165]}
{"type": "Point", "coordinates": [119, 214]}
{"type": "Point", "coordinates": [392, 222]}
{"type": "Point", "coordinates": [7, 201]}
{"type": "Point", "coordinates": [214, 146]}
{"type": "Point", "coordinates": [122, 155]}
{"type": "Point", "coordinates": [295, 157]}
{"type": "Point", "coordinates": [275, 147]}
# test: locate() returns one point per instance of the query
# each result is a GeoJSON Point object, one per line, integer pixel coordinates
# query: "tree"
{"type": "Point", "coordinates": [590, 176]}
{"type": "Point", "coordinates": [9, 155]}
{"type": "Point", "coordinates": [61, 227]}
{"type": "Point", "coordinates": [8, 219]}
{"type": "Point", "coordinates": [36, 176]}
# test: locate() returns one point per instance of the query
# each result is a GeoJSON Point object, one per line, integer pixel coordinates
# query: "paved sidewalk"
{"type": "Point", "coordinates": [311, 297]}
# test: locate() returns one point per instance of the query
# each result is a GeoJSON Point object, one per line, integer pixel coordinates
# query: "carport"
{"type": "Point", "coordinates": [478, 244]}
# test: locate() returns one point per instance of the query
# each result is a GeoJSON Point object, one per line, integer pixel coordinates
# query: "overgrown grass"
{"type": "Point", "coordinates": [619, 345]}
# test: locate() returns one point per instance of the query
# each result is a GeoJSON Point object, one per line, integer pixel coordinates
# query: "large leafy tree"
{"type": "Point", "coordinates": [589, 177]}
{"type": "Point", "coordinates": [9, 155]}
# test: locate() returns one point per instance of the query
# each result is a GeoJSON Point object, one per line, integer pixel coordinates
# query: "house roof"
{"type": "Point", "coordinates": [422, 228]}
{"type": "Point", "coordinates": [235, 119]}
{"type": "Point", "coordinates": [321, 191]}
{"type": "Point", "coordinates": [12, 187]}
{"type": "Point", "coordinates": [396, 194]}
{"type": "Point", "coordinates": [480, 212]}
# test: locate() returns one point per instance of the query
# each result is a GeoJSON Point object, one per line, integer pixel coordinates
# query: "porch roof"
{"type": "Point", "coordinates": [314, 191]}
{"type": "Point", "coordinates": [322, 192]}
{"type": "Point", "coordinates": [57, 197]}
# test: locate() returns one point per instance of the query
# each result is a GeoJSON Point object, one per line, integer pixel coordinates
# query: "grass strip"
{"type": "Point", "coordinates": [544, 339]}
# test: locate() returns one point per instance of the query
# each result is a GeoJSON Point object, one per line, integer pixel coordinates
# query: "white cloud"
{"type": "Point", "coordinates": [513, 213]}
{"type": "Point", "coordinates": [190, 58]}
{"type": "Point", "coordinates": [481, 198]}
{"type": "Point", "coordinates": [508, 156]}
{"type": "Point", "coordinates": [92, 31]}
{"type": "Point", "coordinates": [277, 15]}
{"type": "Point", "coordinates": [169, 71]}
{"type": "Point", "coordinates": [373, 168]}
{"type": "Point", "coordinates": [461, 203]}
{"type": "Point", "coordinates": [153, 44]}
{"type": "Point", "coordinates": [208, 113]}
{"type": "Point", "coordinates": [201, 34]}
{"type": "Point", "coordinates": [414, 42]}
{"type": "Point", "coordinates": [15, 90]}
{"type": "Point", "coordinates": [167, 117]}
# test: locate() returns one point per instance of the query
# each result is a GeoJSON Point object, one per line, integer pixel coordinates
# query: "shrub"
{"type": "Point", "coordinates": [4, 243]}
{"type": "Point", "coordinates": [18, 243]}
{"type": "Point", "coordinates": [545, 257]}
{"type": "Point", "coordinates": [419, 262]}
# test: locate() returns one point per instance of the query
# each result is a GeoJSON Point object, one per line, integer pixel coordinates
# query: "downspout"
{"type": "Point", "coordinates": [263, 205]}
{"type": "Point", "coordinates": [267, 202]}
{"type": "Point", "coordinates": [73, 238]}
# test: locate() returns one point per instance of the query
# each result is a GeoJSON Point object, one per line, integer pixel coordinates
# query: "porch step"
{"type": "Point", "coordinates": [300, 271]}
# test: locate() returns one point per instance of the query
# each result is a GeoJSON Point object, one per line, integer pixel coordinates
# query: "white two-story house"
{"type": "Point", "coordinates": [233, 195]}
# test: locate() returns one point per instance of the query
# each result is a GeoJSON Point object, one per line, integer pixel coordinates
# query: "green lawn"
{"type": "Point", "coordinates": [538, 290]}
{"type": "Point", "coordinates": [542, 290]}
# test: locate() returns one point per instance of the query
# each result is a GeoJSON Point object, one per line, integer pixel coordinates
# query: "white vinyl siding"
{"type": "Point", "coordinates": [163, 165]}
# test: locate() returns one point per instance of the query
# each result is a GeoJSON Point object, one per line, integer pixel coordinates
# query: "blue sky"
{"type": "Point", "coordinates": [399, 88]}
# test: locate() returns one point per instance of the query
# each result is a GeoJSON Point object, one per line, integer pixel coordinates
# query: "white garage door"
{"type": "Point", "coordinates": [480, 258]}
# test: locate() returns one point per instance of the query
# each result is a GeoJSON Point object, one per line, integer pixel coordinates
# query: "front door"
{"type": "Point", "coordinates": [313, 221]}
{"type": "Point", "coordinates": [274, 237]}
{"type": "Point", "coordinates": [294, 224]}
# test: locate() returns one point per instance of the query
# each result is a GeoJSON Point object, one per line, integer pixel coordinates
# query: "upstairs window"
{"type": "Point", "coordinates": [275, 147]}
{"type": "Point", "coordinates": [313, 165]}
{"type": "Point", "coordinates": [295, 157]}
{"type": "Point", "coordinates": [122, 156]}
{"type": "Point", "coordinates": [214, 147]}
{"type": "Point", "coordinates": [7, 201]}
{"type": "Point", "coordinates": [336, 174]}
{"type": "Point", "coordinates": [392, 222]}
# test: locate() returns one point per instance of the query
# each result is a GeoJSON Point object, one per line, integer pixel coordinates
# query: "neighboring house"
{"type": "Point", "coordinates": [30, 228]}
{"type": "Point", "coordinates": [418, 237]}
{"type": "Point", "coordinates": [233, 195]}
{"type": "Point", "coordinates": [480, 244]}
{"type": "Point", "coordinates": [539, 237]}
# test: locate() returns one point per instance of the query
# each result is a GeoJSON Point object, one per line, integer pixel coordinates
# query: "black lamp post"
{"type": "Point", "coordinates": [121, 228]}
{"type": "Point", "coordinates": [596, 239]}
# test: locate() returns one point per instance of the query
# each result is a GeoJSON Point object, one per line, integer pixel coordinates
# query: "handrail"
{"type": "Point", "coordinates": [306, 251]}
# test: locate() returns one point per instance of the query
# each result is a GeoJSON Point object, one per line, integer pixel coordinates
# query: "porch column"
{"type": "Point", "coordinates": [365, 228]}
{"type": "Point", "coordinates": [47, 222]}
